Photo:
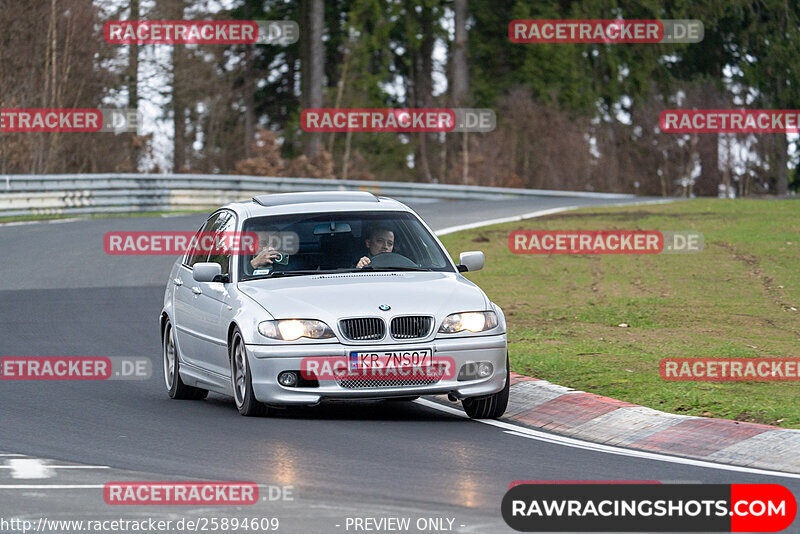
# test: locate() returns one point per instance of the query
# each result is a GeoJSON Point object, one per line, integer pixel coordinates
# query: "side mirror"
{"type": "Point", "coordinates": [471, 261]}
{"type": "Point", "coordinates": [206, 272]}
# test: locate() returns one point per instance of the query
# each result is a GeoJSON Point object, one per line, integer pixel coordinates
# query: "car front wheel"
{"type": "Point", "coordinates": [490, 406]}
{"type": "Point", "coordinates": [242, 381]}
{"type": "Point", "coordinates": [172, 367]}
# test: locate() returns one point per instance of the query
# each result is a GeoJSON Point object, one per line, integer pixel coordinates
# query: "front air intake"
{"type": "Point", "coordinates": [363, 328]}
{"type": "Point", "coordinates": [411, 327]}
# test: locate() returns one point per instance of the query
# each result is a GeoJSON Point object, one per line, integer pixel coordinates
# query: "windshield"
{"type": "Point", "coordinates": [311, 243]}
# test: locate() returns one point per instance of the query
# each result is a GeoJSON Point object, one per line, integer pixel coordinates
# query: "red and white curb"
{"type": "Point", "coordinates": [541, 405]}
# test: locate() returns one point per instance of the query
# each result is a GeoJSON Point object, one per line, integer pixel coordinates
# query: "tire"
{"type": "Point", "coordinates": [172, 367]}
{"type": "Point", "coordinates": [490, 406]}
{"type": "Point", "coordinates": [241, 379]}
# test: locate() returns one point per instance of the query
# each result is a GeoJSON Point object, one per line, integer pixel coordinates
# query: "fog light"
{"type": "Point", "coordinates": [484, 369]}
{"type": "Point", "coordinates": [475, 371]}
{"type": "Point", "coordinates": [287, 379]}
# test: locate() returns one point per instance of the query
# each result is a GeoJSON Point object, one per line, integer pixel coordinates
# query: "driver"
{"type": "Point", "coordinates": [379, 240]}
{"type": "Point", "coordinates": [266, 254]}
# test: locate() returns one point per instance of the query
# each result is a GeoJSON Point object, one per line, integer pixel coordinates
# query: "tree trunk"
{"type": "Point", "coordinates": [133, 86]}
{"type": "Point", "coordinates": [423, 90]}
{"type": "Point", "coordinates": [178, 104]}
{"type": "Point", "coordinates": [340, 92]}
{"type": "Point", "coordinates": [316, 68]}
{"type": "Point", "coordinates": [781, 159]}
{"type": "Point", "coordinates": [304, 54]}
{"type": "Point", "coordinates": [346, 156]}
{"type": "Point", "coordinates": [460, 73]}
{"type": "Point", "coordinates": [249, 102]}
{"type": "Point", "coordinates": [465, 160]}
{"type": "Point", "coordinates": [710, 178]}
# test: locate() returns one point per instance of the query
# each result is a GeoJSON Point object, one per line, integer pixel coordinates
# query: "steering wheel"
{"type": "Point", "coordinates": [389, 260]}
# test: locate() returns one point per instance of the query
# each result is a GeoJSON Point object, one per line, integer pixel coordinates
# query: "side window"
{"type": "Point", "coordinates": [210, 225]}
{"type": "Point", "coordinates": [224, 259]}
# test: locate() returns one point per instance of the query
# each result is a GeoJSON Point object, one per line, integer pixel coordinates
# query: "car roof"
{"type": "Point", "coordinates": [314, 202]}
{"type": "Point", "coordinates": [283, 199]}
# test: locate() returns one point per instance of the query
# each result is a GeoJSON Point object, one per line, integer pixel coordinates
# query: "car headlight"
{"type": "Point", "coordinates": [292, 329]}
{"type": "Point", "coordinates": [472, 321]}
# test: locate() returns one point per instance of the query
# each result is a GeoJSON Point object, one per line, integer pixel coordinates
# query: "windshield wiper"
{"type": "Point", "coordinates": [277, 274]}
{"type": "Point", "coordinates": [384, 269]}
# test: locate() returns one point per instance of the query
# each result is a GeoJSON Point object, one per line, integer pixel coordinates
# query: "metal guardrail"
{"type": "Point", "coordinates": [53, 194]}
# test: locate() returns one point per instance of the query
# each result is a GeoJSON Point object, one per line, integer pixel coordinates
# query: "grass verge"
{"type": "Point", "coordinates": [738, 298]}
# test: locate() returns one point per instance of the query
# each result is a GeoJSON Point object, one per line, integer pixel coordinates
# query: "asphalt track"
{"type": "Point", "coordinates": [61, 295]}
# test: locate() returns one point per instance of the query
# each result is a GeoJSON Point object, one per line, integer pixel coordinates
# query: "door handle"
{"type": "Point", "coordinates": [196, 291]}
{"type": "Point", "coordinates": [177, 281]}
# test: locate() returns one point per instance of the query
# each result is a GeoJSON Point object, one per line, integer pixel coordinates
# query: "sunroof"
{"type": "Point", "coordinates": [281, 199]}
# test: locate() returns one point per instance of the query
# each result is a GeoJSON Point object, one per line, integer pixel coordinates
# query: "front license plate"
{"type": "Point", "coordinates": [390, 359]}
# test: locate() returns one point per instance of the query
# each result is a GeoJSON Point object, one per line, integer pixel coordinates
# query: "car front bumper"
{"type": "Point", "coordinates": [267, 361]}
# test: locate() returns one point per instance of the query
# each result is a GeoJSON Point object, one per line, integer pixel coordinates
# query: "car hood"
{"type": "Point", "coordinates": [334, 296]}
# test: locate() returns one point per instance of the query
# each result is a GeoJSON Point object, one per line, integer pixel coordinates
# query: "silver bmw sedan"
{"type": "Point", "coordinates": [341, 295]}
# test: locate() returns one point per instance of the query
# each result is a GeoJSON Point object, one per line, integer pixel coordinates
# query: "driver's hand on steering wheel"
{"type": "Point", "coordinates": [363, 262]}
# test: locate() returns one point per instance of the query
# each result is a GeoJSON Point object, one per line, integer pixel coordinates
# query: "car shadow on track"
{"type": "Point", "coordinates": [355, 410]}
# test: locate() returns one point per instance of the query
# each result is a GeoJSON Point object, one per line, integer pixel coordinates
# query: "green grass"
{"type": "Point", "coordinates": [734, 298]}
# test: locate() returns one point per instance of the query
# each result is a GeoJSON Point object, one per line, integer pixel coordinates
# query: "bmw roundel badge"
{"type": "Point", "coordinates": [384, 307]}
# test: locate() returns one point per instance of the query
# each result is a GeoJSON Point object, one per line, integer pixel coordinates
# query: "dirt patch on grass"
{"type": "Point", "coordinates": [597, 274]}
{"type": "Point", "coordinates": [755, 417]}
{"type": "Point", "coordinates": [776, 293]}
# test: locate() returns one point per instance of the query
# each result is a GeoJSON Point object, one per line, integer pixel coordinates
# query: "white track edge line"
{"type": "Point", "coordinates": [62, 466]}
{"type": "Point", "coordinates": [51, 486]}
{"type": "Point", "coordinates": [93, 486]}
{"type": "Point", "coordinates": [530, 433]}
{"type": "Point", "coordinates": [489, 222]}
{"type": "Point", "coordinates": [542, 213]}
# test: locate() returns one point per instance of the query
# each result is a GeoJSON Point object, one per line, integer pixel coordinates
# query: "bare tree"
{"type": "Point", "coordinates": [422, 65]}
{"type": "Point", "coordinates": [56, 58]}
{"type": "Point", "coordinates": [460, 72]}
{"type": "Point", "coordinates": [249, 91]}
{"type": "Point", "coordinates": [460, 75]}
{"type": "Point", "coordinates": [175, 9]}
{"type": "Point", "coordinates": [313, 66]}
{"type": "Point", "coordinates": [133, 86]}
